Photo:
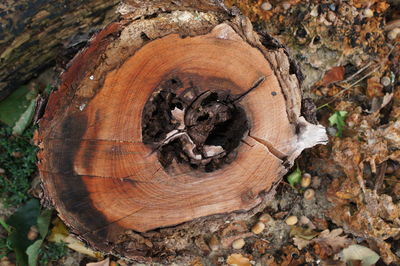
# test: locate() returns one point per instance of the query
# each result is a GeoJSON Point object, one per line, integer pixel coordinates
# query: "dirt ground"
{"type": "Point", "coordinates": [342, 205]}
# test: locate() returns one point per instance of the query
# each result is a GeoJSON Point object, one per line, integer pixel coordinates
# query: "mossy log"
{"type": "Point", "coordinates": [33, 32]}
{"type": "Point", "coordinates": [171, 122]}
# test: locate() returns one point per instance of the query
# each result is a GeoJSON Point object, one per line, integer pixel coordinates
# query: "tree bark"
{"type": "Point", "coordinates": [170, 123]}
{"type": "Point", "coordinates": [32, 33]}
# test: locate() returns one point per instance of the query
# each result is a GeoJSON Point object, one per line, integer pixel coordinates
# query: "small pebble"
{"type": "Point", "coordinates": [265, 218]}
{"type": "Point", "coordinates": [214, 243]}
{"type": "Point", "coordinates": [332, 7]}
{"type": "Point", "coordinates": [385, 81]}
{"type": "Point", "coordinates": [2, 171]}
{"type": "Point", "coordinates": [291, 220]}
{"type": "Point", "coordinates": [266, 6]}
{"type": "Point", "coordinates": [286, 5]}
{"type": "Point", "coordinates": [368, 13]}
{"type": "Point", "coordinates": [91, 77]}
{"type": "Point", "coordinates": [238, 243]}
{"type": "Point", "coordinates": [305, 180]}
{"type": "Point", "coordinates": [393, 33]}
{"type": "Point", "coordinates": [258, 228]}
{"type": "Point", "coordinates": [33, 233]}
{"type": "Point", "coordinates": [309, 194]}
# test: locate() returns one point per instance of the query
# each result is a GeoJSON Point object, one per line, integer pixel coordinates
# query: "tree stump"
{"type": "Point", "coordinates": [167, 125]}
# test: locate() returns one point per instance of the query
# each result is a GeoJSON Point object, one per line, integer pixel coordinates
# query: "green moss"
{"type": "Point", "coordinates": [52, 252]}
{"type": "Point", "coordinates": [18, 159]}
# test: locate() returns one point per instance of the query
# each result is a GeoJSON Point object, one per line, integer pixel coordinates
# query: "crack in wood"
{"type": "Point", "coordinates": [274, 151]}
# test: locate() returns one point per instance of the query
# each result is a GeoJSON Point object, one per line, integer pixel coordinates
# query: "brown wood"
{"type": "Point", "coordinates": [105, 158]}
{"type": "Point", "coordinates": [33, 33]}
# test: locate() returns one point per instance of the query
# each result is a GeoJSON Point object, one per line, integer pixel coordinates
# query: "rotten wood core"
{"type": "Point", "coordinates": [202, 129]}
{"type": "Point", "coordinates": [166, 127]}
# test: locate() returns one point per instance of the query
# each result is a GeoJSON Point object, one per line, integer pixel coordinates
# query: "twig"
{"type": "Point", "coordinates": [358, 72]}
{"type": "Point", "coordinates": [358, 81]}
{"type": "Point", "coordinates": [349, 87]}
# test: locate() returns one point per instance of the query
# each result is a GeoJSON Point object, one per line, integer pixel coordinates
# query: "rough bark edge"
{"type": "Point", "coordinates": [135, 9]}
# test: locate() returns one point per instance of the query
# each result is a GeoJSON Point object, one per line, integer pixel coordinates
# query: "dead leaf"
{"type": "Point", "coordinates": [335, 74]}
{"type": "Point", "coordinates": [301, 243]}
{"type": "Point", "coordinates": [196, 262]}
{"type": "Point", "coordinates": [80, 247]}
{"type": "Point", "coordinates": [261, 246]}
{"type": "Point", "coordinates": [59, 233]}
{"type": "Point", "coordinates": [387, 209]}
{"type": "Point", "coordinates": [374, 87]}
{"type": "Point", "coordinates": [362, 222]}
{"type": "Point", "coordinates": [304, 233]}
{"type": "Point", "coordinates": [386, 253]}
{"type": "Point", "coordinates": [357, 252]}
{"type": "Point", "coordinates": [105, 262]}
{"type": "Point", "coordinates": [331, 241]}
{"type": "Point", "coordinates": [328, 242]}
{"type": "Point", "coordinates": [291, 256]}
{"type": "Point", "coordinates": [238, 260]}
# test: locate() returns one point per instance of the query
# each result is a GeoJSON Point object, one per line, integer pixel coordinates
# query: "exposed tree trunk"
{"type": "Point", "coordinates": [33, 32]}
{"type": "Point", "coordinates": [168, 126]}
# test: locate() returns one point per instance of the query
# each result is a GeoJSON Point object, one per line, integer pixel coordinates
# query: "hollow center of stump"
{"type": "Point", "coordinates": [200, 128]}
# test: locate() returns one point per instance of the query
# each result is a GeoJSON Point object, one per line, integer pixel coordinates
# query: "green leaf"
{"type": "Point", "coordinates": [15, 183]}
{"type": "Point", "coordinates": [15, 105]}
{"type": "Point", "coordinates": [25, 119]}
{"type": "Point", "coordinates": [338, 119]}
{"type": "Point", "coordinates": [52, 252]}
{"type": "Point", "coordinates": [43, 222]}
{"type": "Point", "coordinates": [21, 221]}
{"type": "Point", "coordinates": [33, 252]}
{"type": "Point", "coordinates": [5, 226]}
{"type": "Point", "coordinates": [294, 178]}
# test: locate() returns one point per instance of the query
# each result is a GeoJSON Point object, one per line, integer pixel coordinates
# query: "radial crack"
{"type": "Point", "coordinates": [277, 153]}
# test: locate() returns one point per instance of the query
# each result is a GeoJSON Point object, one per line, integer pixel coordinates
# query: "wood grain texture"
{"type": "Point", "coordinates": [110, 187]}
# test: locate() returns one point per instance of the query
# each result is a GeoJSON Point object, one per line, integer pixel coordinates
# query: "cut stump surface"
{"type": "Point", "coordinates": [178, 122]}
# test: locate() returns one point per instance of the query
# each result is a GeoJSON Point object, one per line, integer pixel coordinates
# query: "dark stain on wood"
{"type": "Point", "coordinates": [73, 128]}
